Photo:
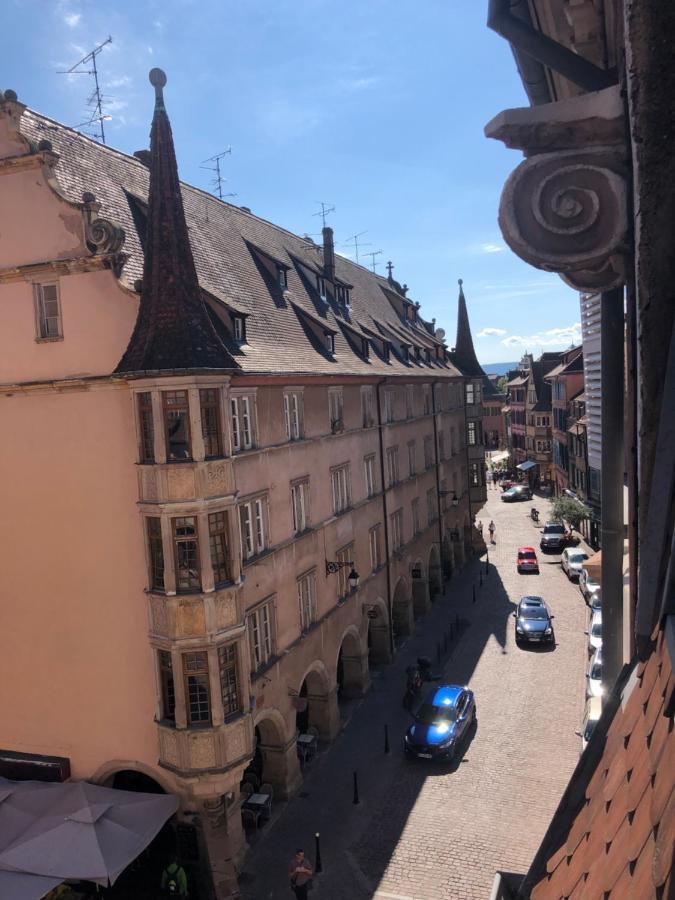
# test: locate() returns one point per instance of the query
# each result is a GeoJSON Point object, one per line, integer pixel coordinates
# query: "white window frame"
{"type": "Point", "coordinates": [341, 487]}
{"type": "Point", "coordinates": [367, 406]}
{"type": "Point", "coordinates": [293, 415]}
{"type": "Point", "coordinates": [396, 529]}
{"type": "Point", "coordinates": [336, 410]}
{"type": "Point", "coordinates": [300, 504]}
{"type": "Point", "coordinates": [242, 410]}
{"type": "Point", "coordinates": [238, 325]}
{"type": "Point", "coordinates": [392, 466]}
{"type": "Point", "coordinates": [307, 599]}
{"type": "Point", "coordinates": [388, 406]}
{"type": "Point", "coordinates": [374, 546]}
{"type": "Point", "coordinates": [330, 342]}
{"type": "Point", "coordinates": [253, 525]}
{"type": "Point", "coordinates": [261, 632]}
{"type": "Point", "coordinates": [369, 472]}
{"type": "Point", "coordinates": [469, 395]}
{"type": "Point", "coordinates": [42, 320]}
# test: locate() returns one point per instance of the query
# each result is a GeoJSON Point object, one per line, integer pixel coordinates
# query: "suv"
{"type": "Point", "coordinates": [553, 537]}
{"type": "Point", "coordinates": [517, 492]}
{"type": "Point", "coordinates": [533, 621]}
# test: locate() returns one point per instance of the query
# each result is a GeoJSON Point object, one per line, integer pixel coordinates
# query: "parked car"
{"type": "Point", "coordinates": [592, 713]}
{"type": "Point", "coordinates": [554, 536]}
{"type": "Point", "coordinates": [534, 622]}
{"type": "Point", "coordinates": [594, 687]}
{"type": "Point", "coordinates": [572, 562]}
{"type": "Point", "coordinates": [441, 723]}
{"type": "Point", "coordinates": [595, 631]}
{"type": "Point", "coordinates": [527, 561]}
{"type": "Point", "coordinates": [517, 492]}
{"type": "Point", "coordinates": [507, 484]}
{"type": "Point", "coordinates": [595, 600]}
{"type": "Point", "coordinates": [587, 584]}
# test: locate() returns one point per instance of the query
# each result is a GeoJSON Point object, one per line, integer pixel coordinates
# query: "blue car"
{"type": "Point", "coordinates": [441, 723]}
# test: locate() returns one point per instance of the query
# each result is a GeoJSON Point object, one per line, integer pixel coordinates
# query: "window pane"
{"type": "Point", "coordinates": [196, 669]}
{"type": "Point", "coordinates": [186, 554]}
{"type": "Point", "coordinates": [210, 413]}
{"type": "Point", "coordinates": [156, 549]}
{"type": "Point", "coordinates": [227, 660]}
{"type": "Point", "coordinates": [177, 425]}
{"type": "Point", "coordinates": [219, 545]}
{"type": "Point", "coordinates": [168, 688]}
{"type": "Point", "coordinates": [146, 428]}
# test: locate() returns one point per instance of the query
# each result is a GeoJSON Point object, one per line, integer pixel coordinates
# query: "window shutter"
{"type": "Point", "coordinates": [236, 443]}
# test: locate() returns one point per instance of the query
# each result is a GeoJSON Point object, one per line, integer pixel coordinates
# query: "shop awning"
{"type": "Point", "coordinates": [526, 466]}
{"type": "Point", "coordinates": [76, 830]}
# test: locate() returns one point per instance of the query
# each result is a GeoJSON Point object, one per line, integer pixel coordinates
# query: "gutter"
{"type": "Point", "coordinates": [535, 52]}
{"type": "Point", "coordinates": [390, 599]}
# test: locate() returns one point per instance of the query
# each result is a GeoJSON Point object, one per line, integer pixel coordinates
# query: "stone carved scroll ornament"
{"type": "Point", "coordinates": [102, 235]}
{"type": "Point", "coordinates": [566, 212]}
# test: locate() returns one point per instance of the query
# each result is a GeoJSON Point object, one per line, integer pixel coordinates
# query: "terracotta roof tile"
{"type": "Point", "coordinates": [615, 775]}
{"type": "Point", "coordinates": [640, 772]}
{"type": "Point", "coordinates": [654, 709]}
{"type": "Point", "coordinates": [557, 858]}
{"type": "Point", "coordinates": [615, 813]}
{"type": "Point", "coordinates": [622, 886]}
{"type": "Point", "coordinates": [579, 891]}
{"type": "Point", "coordinates": [665, 844]}
{"type": "Point", "coordinates": [579, 830]}
{"type": "Point", "coordinates": [661, 740]}
{"type": "Point", "coordinates": [643, 882]}
{"type": "Point", "coordinates": [661, 790]}
{"type": "Point", "coordinates": [609, 864]}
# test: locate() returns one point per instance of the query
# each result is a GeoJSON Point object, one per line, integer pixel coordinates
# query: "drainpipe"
{"type": "Point", "coordinates": [513, 22]}
{"type": "Point", "coordinates": [612, 381]}
{"type": "Point", "coordinates": [468, 464]}
{"type": "Point", "coordinates": [390, 599]}
{"type": "Point", "coordinates": [437, 467]}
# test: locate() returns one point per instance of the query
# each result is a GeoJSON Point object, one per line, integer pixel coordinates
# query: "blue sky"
{"type": "Point", "coordinates": [377, 108]}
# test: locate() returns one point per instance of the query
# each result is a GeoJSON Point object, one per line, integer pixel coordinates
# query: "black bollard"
{"type": "Point", "coordinates": [473, 588]}
{"type": "Point", "coordinates": [386, 739]}
{"type": "Point", "coordinates": [356, 800]}
{"type": "Point", "coordinates": [317, 855]}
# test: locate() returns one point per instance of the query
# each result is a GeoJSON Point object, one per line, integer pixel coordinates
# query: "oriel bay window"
{"type": "Point", "coordinates": [197, 693]}
{"type": "Point", "coordinates": [186, 554]}
{"type": "Point", "coordinates": [229, 680]}
{"type": "Point", "coordinates": [219, 545]}
{"type": "Point", "coordinates": [168, 711]}
{"type": "Point", "coordinates": [209, 405]}
{"type": "Point", "coordinates": [176, 414]}
{"type": "Point", "coordinates": [155, 553]}
{"type": "Point", "coordinates": [146, 429]}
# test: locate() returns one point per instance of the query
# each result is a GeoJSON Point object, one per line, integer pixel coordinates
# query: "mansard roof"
{"type": "Point", "coordinates": [223, 238]}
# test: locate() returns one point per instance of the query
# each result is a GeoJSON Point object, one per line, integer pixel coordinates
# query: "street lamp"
{"type": "Point", "coordinates": [455, 499]}
{"type": "Point", "coordinates": [352, 578]}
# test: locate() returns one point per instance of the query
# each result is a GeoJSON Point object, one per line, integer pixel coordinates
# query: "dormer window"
{"type": "Point", "coordinates": [239, 325]}
{"type": "Point", "coordinates": [348, 301]}
{"type": "Point", "coordinates": [418, 354]}
{"type": "Point", "coordinates": [428, 355]}
{"type": "Point", "coordinates": [365, 349]}
{"type": "Point", "coordinates": [385, 350]}
{"type": "Point", "coordinates": [330, 342]}
{"type": "Point", "coordinates": [321, 287]}
{"type": "Point", "coordinates": [282, 277]}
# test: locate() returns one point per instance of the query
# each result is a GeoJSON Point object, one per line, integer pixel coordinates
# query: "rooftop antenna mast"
{"type": "Point", "coordinates": [218, 180]}
{"type": "Point", "coordinates": [355, 239]}
{"type": "Point", "coordinates": [372, 256]}
{"type": "Point", "coordinates": [325, 209]}
{"type": "Point", "coordinates": [95, 99]}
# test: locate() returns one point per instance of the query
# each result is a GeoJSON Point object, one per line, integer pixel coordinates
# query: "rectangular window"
{"type": "Point", "coordinates": [229, 680]}
{"type": "Point", "coordinates": [47, 311]}
{"type": "Point", "coordinates": [261, 633]}
{"type": "Point", "coordinates": [307, 599]}
{"type": "Point", "coordinates": [374, 544]}
{"type": "Point", "coordinates": [168, 712]}
{"type": "Point", "coordinates": [474, 474]}
{"type": "Point", "coordinates": [156, 553]}
{"type": "Point", "coordinates": [186, 554]}
{"type": "Point", "coordinates": [242, 425]}
{"type": "Point", "coordinates": [176, 425]}
{"type": "Point", "coordinates": [293, 415]}
{"type": "Point", "coordinates": [330, 342]}
{"type": "Point", "coordinates": [412, 457]}
{"type": "Point", "coordinates": [469, 395]}
{"type": "Point", "coordinates": [369, 468]}
{"type": "Point", "coordinates": [367, 407]}
{"type": "Point", "coordinates": [146, 428]}
{"type": "Point", "coordinates": [209, 405]}
{"type": "Point", "coordinates": [427, 399]}
{"type": "Point", "coordinates": [335, 410]}
{"type": "Point", "coordinates": [409, 398]}
{"type": "Point", "coordinates": [389, 406]}
{"type": "Point", "coordinates": [252, 516]}
{"type": "Point", "coordinates": [428, 452]}
{"type": "Point", "coordinates": [396, 520]}
{"type": "Point", "coordinates": [415, 508]}
{"type": "Point", "coordinates": [471, 434]}
{"type": "Point", "coordinates": [441, 445]}
{"type": "Point", "coordinates": [197, 692]}
{"type": "Point", "coordinates": [392, 465]}
{"type": "Point", "coordinates": [300, 504]}
{"type": "Point", "coordinates": [239, 329]}
{"type": "Point", "coordinates": [346, 557]}
{"type": "Point", "coordinates": [219, 543]}
{"type": "Point", "coordinates": [432, 511]}
{"type": "Point", "coordinates": [340, 482]}
{"type": "Point", "coordinates": [282, 276]}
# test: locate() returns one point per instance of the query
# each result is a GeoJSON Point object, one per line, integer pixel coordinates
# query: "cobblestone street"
{"type": "Point", "coordinates": [428, 831]}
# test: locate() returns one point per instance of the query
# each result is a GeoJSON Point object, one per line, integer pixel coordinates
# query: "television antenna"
{"type": "Point", "coordinates": [218, 180]}
{"type": "Point", "coordinates": [95, 99]}
{"type": "Point", "coordinates": [357, 244]}
{"type": "Point", "coordinates": [325, 209]}
{"type": "Point", "coordinates": [372, 256]}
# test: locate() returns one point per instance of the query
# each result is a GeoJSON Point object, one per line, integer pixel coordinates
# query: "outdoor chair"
{"type": "Point", "coordinates": [249, 819]}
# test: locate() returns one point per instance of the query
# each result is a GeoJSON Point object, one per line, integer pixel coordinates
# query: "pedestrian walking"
{"type": "Point", "coordinates": [479, 526]}
{"type": "Point", "coordinates": [300, 873]}
{"type": "Point", "coordinates": [492, 529]}
{"type": "Point", "coordinates": [174, 880]}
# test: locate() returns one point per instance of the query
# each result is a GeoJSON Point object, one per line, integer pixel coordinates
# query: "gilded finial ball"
{"type": "Point", "coordinates": [460, 281]}
{"type": "Point", "coordinates": [10, 95]}
{"type": "Point", "coordinates": [157, 78]}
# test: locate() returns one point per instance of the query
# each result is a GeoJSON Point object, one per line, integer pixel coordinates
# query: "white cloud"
{"type": "Point", "coordinates": [488, 332]}
{"type": "Point", "coordinates": [553, 337]}
{"type": "Point", "coordinates": [492, 248]}
{"type": "Point", "coordinates": [72, 19]}
{"type": "Point", "coordinates": [120, 81]}
{"type": "Point", "coordinates": [361, 83]}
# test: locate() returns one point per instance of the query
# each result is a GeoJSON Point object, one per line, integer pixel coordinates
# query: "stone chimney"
{"type": "Point", "coordinates": [328, 253]}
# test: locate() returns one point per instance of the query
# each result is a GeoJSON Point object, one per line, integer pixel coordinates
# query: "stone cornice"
{"type": "Point", "coordinates": [57, 267]}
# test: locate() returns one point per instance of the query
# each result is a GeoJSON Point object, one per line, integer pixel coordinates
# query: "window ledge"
{"type": "Point", "coordinates": [265, 667]}
{"type": "Point", "coordinates": [48, 340]}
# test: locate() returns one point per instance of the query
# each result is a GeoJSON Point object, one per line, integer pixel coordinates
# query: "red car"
{"type": "Point", "coordinates": [527, 560]}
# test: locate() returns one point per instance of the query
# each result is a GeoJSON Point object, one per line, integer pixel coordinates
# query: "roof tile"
{"type": "Point", "coordinates": [661, 741]}
{"type": "Point", "coordinates": [643, 882]}
{"type": "Point", "coordinates": [665, 843]}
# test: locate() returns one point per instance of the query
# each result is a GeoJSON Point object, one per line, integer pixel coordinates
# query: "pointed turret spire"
{"type": "Point", "coordinates": [464, 353]}
{"type": "Point", "coordinates": [173, 330]}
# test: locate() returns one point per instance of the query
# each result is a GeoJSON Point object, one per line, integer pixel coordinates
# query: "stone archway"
{"type": "Point", "coordinates": [420, 589]}
{"type": "Point", "coordinates": [352, 676]}
{"type": "Point", "coordinates": [378, 641]}
{"type": "Point", "coordinates": [402, 609]}
{"type": "Point", "coordinates": [319, 709]}
{"type": "Point", "coordinates": [275, 759]}
{"type": "Point", "coordinates": [434, 570]}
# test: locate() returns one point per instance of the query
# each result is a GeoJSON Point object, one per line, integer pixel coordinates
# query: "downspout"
{"type": "Point", "coordinates": [390, 599]}
{"type": "Point", "coordinates": [514, 23]}
{"type": "Point", "coordinates": [466, 456]}
{"type": "Point", "coordinates": [438, 481]}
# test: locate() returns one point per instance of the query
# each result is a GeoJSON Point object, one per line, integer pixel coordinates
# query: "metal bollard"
{"type": "Point", "coordinates": [386, 739]}
{"type": "Point", "coordinates": [317, 854]}
{"type": "Point", "coordinates": [356, 800]}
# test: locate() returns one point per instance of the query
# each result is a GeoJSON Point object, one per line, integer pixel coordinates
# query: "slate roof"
{"type": "Point", "coordinates": [221, 236]}
{"type": "Point", "coordinates": [464, 354]}
{"type": "Point", "coordinates": [613, 834]}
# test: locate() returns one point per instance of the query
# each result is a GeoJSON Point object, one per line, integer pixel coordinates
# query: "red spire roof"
{"type": "Point", "coordinates": [173, 330]}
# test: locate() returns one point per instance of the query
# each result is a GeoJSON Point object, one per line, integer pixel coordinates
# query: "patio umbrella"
{"type": "Point", "coordinates": [76, 830]}
{"type": "Point", "coordinates": [22, 886]}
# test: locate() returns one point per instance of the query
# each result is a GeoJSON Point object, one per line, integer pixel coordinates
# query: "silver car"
{"type": "Point", "coordinates": [595, 631]}
{"type": "Point", "coordinates": [594, 686]}
{"type": "Point", "coordinates": [587, 584]}
{"type": "Point", "coordinates": [572, 562]}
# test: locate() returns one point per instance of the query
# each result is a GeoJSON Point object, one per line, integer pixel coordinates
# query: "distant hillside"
{"type": "Point", "coordinates": [499, 368]}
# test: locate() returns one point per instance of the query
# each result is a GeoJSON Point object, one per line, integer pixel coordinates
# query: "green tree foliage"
{"type": "Point", "coordinates": [565, 509]}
